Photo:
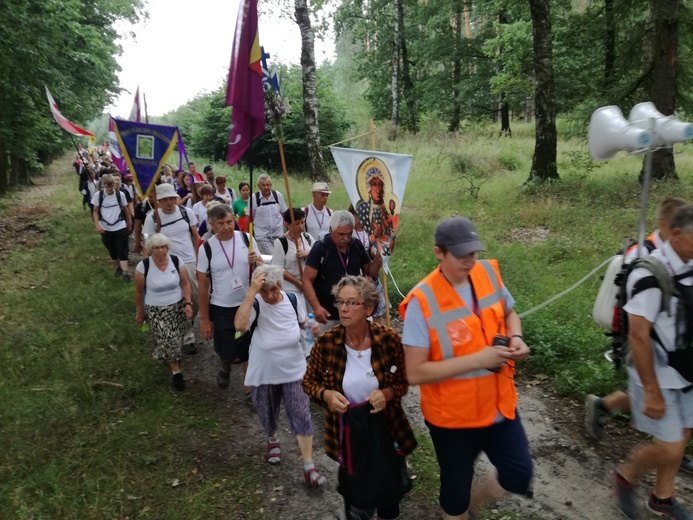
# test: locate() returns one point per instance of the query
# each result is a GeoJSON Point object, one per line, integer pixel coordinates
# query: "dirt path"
{"type": "Point", "coordinates": [571, 469]}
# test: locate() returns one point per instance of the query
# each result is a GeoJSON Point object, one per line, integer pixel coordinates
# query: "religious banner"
{"type": "Point", "coordinates": [145, 148]}
{"type": "Point", "coordinates": [375, 182]}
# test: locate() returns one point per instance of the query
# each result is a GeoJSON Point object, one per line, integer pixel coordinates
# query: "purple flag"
{"type": "Point", "coordinates": [114, 148]}
{"type": "Point", "coordinates": [244, 89]}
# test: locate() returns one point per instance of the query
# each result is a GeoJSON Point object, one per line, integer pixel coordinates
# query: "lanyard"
{"type": "Point", "coordinates": [316, 216]}
{"type": "Point", "coordinates": [345, 264]}
{"type": "Point", "coordinates": [233, 243]}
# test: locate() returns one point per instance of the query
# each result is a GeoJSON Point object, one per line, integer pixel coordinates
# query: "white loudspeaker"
{"type": "Point", "coordinates": [666, 130]}
{"type": "Point", "coordinates": [610, 132]}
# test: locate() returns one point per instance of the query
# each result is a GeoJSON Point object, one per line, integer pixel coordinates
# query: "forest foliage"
{"type": "Point", "coordinates": [402, 62]}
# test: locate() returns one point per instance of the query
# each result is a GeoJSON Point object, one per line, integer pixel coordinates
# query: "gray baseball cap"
{"type": "Point", "coordinates": [459, 236]}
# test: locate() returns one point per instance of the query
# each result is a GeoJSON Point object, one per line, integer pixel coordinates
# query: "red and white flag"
{"type": "Point", "coordinates": [64, 122]}
{"type": "Point", "coordinates": [135, 110]}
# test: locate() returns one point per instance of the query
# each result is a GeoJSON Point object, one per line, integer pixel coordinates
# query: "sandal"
{"type": "Point", "coordinates": [273, 454]}
{"type": "Point", "coordinates": [314, 478]}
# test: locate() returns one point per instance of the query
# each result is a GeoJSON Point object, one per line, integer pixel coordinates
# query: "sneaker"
{"type": "Point", "coordinates": [126, 278]}
{"type": "Point", "coordinates": [595, 416]}
{"type": "Point", "coordinates": [118, 272]}
{"type": "Point", "coordinates": [223, 379]}
{"type": "Point", "coordinates": [686, 465]}
{"type": "Point", "coordinates": [624, 495]}
{"type": "Point", "coordinates": [190, 349]}
{"type": "Point", "coordinates": [674, 510]}
{"type": "Point", "coordinates": [178, 382]}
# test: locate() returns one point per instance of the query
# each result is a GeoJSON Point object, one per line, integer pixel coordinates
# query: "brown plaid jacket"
{"type": "Point", "coordinates": [326, 370]}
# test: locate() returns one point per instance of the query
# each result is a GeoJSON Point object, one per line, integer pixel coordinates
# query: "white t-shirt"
{"type": "Point", "coordinates": [359, 378]}
{"type": "Point", "coordinates": [229, 194]}
{"type": "Point", "coordinates": [110, 210]}
{"type": "Point", "coordinates": [177, 230]}
{"type": "Point", "coordinates": [318, 221]}
{"type": "Point", "coordinates": [162, 287]}
{"type": "Point", "coordinates": [230, 271]}
{"type": "Point", "coordinates": [289, 261]}
{"type": "Point", "coordinates": [200, 212]}
{"type": "Point", "coordinates": [267, 217]}
{"type": "Point", "coordinates": [276, 355]}
{"type": "Point", "coordinates": [647, 304]}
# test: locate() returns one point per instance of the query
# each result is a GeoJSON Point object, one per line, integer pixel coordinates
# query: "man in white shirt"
{"type": "Point", "coordinates": [318, 214]}
{"type": "Point", "coordinates": [267, 206]}
{"type": "Point", "coordinates": [661, 406]}
{"type": "Point", "coordinates": [223, 271]}
{"type": "Point", "coordinates": [112, 221]}
{"type": "Point", "coordinates": [179, 224]}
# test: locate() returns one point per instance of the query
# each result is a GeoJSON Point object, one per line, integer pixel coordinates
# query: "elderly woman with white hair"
{"type": "Point", "coordinates": [163, 297]}
{"type": "Point", "coordinates": [276, 364]}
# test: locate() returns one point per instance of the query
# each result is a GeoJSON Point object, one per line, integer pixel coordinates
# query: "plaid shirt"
{"type": "Point", "coordinates": [326, 370]}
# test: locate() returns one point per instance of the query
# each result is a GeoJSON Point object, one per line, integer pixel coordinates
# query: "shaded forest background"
{"type": "Point", "coordinates": [409, 64]}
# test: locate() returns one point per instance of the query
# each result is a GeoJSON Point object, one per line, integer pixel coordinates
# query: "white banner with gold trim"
{"type": "Point", "coordinates": [375, 182]}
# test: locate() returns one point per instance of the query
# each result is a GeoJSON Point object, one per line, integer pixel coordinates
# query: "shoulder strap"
{"type": "Point", "coordinates": [176, 264]}
{"type": "Point", "coordinates": [184, 214]}
{"type": "Point", "coordinates": [257, 199]}
{"type": "Point", "coordinates": [285, 244]}
{"type": "Point", "coordinates": [294, 302]}
{"type": "Point", "coordinates": [660, 279]}
{"type": "Point", "coordinates": [329, 211]}
{"type": "Point", "coordinates": [256, 306]}
{"type": "Point", "coordinates": [246, 239]}
{"type": "Point", "coordinates": [276, 198]}
{"type": "Point", "coordinates": [208, 254]}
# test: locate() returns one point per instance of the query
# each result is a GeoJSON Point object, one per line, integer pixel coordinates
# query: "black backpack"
{"type": "Point", "coordinates": [121, 216]}
{"type": "Point", "coordinates": [263, 203]}
{"type": "Point", "coordinates": [285, 242]}
{"type": "Point", "coordinates": [256, 306]}
{"type": "Point", "coordinates": [183, 216]}
{"type": "Point", "coordinates": [208, 254]}
{"type": "Point", "coordinates": [175, 261]}
{"type": "Point", "coordinates": [681, 359]}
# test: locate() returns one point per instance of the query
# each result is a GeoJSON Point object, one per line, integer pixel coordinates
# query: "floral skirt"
{"type": "Point", "coordinates": [167, 323]}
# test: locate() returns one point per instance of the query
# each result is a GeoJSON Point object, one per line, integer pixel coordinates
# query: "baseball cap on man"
{"type": "Point", "coordinates": [208, 168]}
{"type": "Point", "coordinates": [321, 187]}
{"type": "Point", "coordinates": [165, 191]}
{"type": "Point", "coordinates": [459, 236]}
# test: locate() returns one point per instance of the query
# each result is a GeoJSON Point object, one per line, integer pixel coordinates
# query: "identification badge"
{"type": "Point", "coordinates": [237, 284]}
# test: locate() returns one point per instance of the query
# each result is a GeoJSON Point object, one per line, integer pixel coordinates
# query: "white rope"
{"type": "Point", "coordinates": [386, 269]}
{"type": "Point", "coordinates": [574, 286]}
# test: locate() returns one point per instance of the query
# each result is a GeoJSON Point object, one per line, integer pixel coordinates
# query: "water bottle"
{"type": "Point", "coordinates": [310, 339]}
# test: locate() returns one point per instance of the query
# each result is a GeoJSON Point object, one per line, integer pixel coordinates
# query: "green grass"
{"type": "Point", "coordinates": [89, 428]}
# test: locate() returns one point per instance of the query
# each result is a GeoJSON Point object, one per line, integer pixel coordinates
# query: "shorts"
{"type": "Point", "coordinates": [227, 347]}
{"type": "Point", "coordinates": [505, 445]}
{"type": "Point", "coordinates": [678, 415]}
{"type": "Point", "coordinates": [117, 244]}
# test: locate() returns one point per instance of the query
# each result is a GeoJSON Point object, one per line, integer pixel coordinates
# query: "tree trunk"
{"type": "Point", "coordinates": [310, 99]}
{"type": "Point", "coordinates": [544, 162]}
{"type": "Point", "coordinates": [505, 117]}
{"type": "Point", "coordinates": [609, 44]}
{"type": "Point", "coordinates": [665, 67]}
{"type": "Point", "coordinates": [396, 57]}
{"type": "Point", "coordinates": [456, 67]}
{"type": "Point", "coordinates": [4, 171]}
{"type": "Point", "coordinates": [411, 121]}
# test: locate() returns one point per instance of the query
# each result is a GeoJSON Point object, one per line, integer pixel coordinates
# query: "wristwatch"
{"type": "Point", "coordinates": [190, 303]}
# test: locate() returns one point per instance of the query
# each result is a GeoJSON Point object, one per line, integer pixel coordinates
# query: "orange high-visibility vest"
{"type": "Point", "coordinates": [472, 399]}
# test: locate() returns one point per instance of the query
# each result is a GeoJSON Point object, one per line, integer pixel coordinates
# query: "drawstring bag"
{"type": "Point", "coordinates": [372, 470]}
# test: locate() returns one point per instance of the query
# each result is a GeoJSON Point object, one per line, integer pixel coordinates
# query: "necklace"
{"type": "Point", "coordinates": [351, 343]}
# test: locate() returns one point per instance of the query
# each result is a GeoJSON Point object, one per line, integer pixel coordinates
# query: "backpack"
{"type": "Point", "coordinates": [208, 254]}
{"type": "Point", "coordinates": [176, 264]}
{"type": "Point", "coordinates": [263, 203]}
{"type": "Point", "coordinates": [183, 216]}
{"type": "Point", "coordinates": [680, 359]}
{"type": "Point", "coordinates": [285, 242]}
{"type": "Point", "coordinates": [305, 210]}
{"type": "Point", "coordinates": [120, 205]}
{"type": "Point", "coordinates": [256, 306]}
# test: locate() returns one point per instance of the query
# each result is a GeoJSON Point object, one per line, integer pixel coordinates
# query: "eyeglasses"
{"type": "Point", "coordinates": [350, 304]}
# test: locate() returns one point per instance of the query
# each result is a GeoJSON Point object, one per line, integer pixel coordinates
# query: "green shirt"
{"type": "Point", "coordinates": [240, 207]}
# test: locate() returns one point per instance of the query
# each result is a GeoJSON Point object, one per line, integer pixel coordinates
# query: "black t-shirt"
{"type": "Point", "coordinates": [332, 266]}
{"type": "Point", "coordinates": [125, 192]}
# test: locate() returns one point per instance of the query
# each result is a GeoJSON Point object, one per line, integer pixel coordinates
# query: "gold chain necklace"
{"type": "Point", "coordinates": [351, 343]}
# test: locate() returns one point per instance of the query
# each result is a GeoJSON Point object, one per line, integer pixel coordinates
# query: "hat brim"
{"type": "Point", "coordinates": [322, 191]}
{"type": "Point", "coordinates": [460, 250]}
{"type": "Point", "coordinates": [166, 196]}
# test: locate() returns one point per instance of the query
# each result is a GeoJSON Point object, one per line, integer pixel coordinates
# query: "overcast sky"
{"type": "Point", "coordinates": [182, 51]}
